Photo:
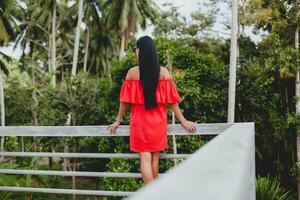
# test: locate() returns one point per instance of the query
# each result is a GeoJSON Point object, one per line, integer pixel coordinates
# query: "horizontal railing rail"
{"type": "Point", "coordinates": [86, 155]}
{"type": "Point", "coordinates": [84, 131]}
{"type": "Point", "coordinates": [66, 191]}
{"type": "Point", "coordinates": [88, 131]}
{"type": "Point", "coordinates": [70, 173]}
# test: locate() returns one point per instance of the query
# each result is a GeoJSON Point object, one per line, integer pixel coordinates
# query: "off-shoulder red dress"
{"type": "Point", "coordinates": [148, 128]}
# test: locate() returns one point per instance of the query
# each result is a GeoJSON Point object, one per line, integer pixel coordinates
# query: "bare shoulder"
{"type": "Point", "coordinates": [132, 73]}
{"type": "Point", "coordinates": [165, 74]}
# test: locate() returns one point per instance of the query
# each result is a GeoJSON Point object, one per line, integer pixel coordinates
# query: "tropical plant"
{"type": "Point", "coordinates": [8, 25]}
{"type": "Point", "coordinates": [92, 15]}
{"type": "Point", "coordinates": [125, 16]}
{"type": "Point", "coordinates": [270, 189]}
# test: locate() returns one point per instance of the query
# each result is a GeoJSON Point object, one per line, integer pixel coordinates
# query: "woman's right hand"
{"type": "Point", "coordinates": [190, 126]}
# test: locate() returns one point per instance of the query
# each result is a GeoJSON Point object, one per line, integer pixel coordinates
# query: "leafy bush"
{"type": "Point", "coordinates": [270, 189]}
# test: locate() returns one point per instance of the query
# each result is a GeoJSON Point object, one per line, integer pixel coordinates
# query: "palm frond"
{"type": "Point", "coordinates": [3, 66]}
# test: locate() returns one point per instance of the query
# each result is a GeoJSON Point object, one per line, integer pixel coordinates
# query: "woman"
{"type": "Point", "coordinates": [148, 87]}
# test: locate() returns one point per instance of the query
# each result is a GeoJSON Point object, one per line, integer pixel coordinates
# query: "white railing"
{"type": "Point", "coordinates": [123, 130]}
{"type": "Point", "coordinates": [224, 169]}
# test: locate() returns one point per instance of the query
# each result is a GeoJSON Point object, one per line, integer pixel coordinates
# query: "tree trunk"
{"type": "Point", "coordinates": [53, 46]}
{"type": "Point", "coordinates": [77, 37]}
{"type": "Point", "coordinates": [174, 140]}
{"type": "Point", "coordinates": [233, 58]}
{"type": "Point", "coordinates": [297, 95]}
{"type": "Point", "coordinates": [104, 68]}
{"type": "Point", "coordinates": [108, 67]}
{"type": "Point", "coordinates": [50, 160]}
{"type": "Point", "coordinates": [66, 145]}
{"type": "Point", "coordinates": [34, 109]}
{"type": "Point", "coordinates": [87, 42]}
{"type": "Point", "coordinates": [66, 150]}
{"type": "Point", "coordinates": [74, 177]}
{"type": "Point", "coordinates": [22, 144]}
{"type": "Point", "coordinates": [297, 92]}
{"type": "Point", "coordinates": [243, 18]}
{"type": "Point", "coordinates": [2, 110]}
{"type": "Point", "coordinates": [73, 115]}
{"type": "Point", "coordinates": [74, 69]}
{"type": "Point", "coordinates": [170, 65]}
{"type": "Point", "coordinates": [49, 55]}
{"type": "Point", "coordinates": [122, 49]}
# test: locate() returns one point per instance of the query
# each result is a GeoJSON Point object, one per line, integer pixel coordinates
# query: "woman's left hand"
{"type": "Point", "coordinates": [112, 128]}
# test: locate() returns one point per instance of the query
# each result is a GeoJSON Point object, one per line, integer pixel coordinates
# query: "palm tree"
{"type": "Point", "coordinates": [4, 69]}
{"type": "Point", "coordinates": [233, 58]}
{"type": "Point", "coordinates": [77, 37]}
{"type": "Point", "coordinates": [99, 47]}
{"type": "Point", "coordinates": [92, 18]}
{"type": "Point", "coordinates": [65, 36]}
{"type": "Point", "coordinates": [297, 92]}
{"type": "Point", "coordinates": [297, 100]}
{"type": "Point", "coordinates": [53, 43]}
{"type": "Point", "coordinates": [42, 17]}
{"type": "Point", "coordinates": [101, 52]}
{"type": "Point", "coordinates": [92, 12]}
{"type": "Point", "coordinates": [125, 16]}
{"type": "Point", "coordinates": [2, 108]}
{"type": "Point", "coordinates": [7, 22]}
{"type": "Point", "coordinates": [35, 30]}
{"type": "Point", "coordinates": [7, 32]}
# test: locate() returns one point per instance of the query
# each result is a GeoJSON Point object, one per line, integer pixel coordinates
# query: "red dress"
{"type": "Point", "coordinates": [148, 128]}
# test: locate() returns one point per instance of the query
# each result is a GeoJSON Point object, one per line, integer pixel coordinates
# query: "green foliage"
{"type": "Point", "coordinates": [270, 189]}
{"type": "Point", "coordinates": [171, 24]}
{"type": "Point", "coordinates": [262, 96]}
{"type": "Point", "coordinates": [201, 99]}
{"type": "Point", "coordinates": [199, 67]}
{"type": "Point", "coordinates": [18, 98]}
{"type": "Point", "coordinates": [122, 184]}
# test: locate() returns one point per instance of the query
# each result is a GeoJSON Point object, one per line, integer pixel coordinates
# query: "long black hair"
{"type": "Point", "coordinates": [149, 70]}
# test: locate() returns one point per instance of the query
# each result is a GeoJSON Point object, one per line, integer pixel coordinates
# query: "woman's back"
{"type": "Point", "coordinates": [148, 127]}
{"type": "Point", "coordinates": [148, 88]}
{"type": "Point", "coordinates": [134, 73]}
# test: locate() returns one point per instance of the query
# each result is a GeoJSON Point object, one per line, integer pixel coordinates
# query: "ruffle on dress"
{"type": "Point", "coordinates": [132, 92]}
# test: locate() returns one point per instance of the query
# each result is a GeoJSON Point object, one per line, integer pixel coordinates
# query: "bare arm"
{"type": "Point", "coordinates": [175, 108]}
{"type": "Point", "coordinates": [189, 125]}
{"type": "Point", "coordinates": [122, 109]}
